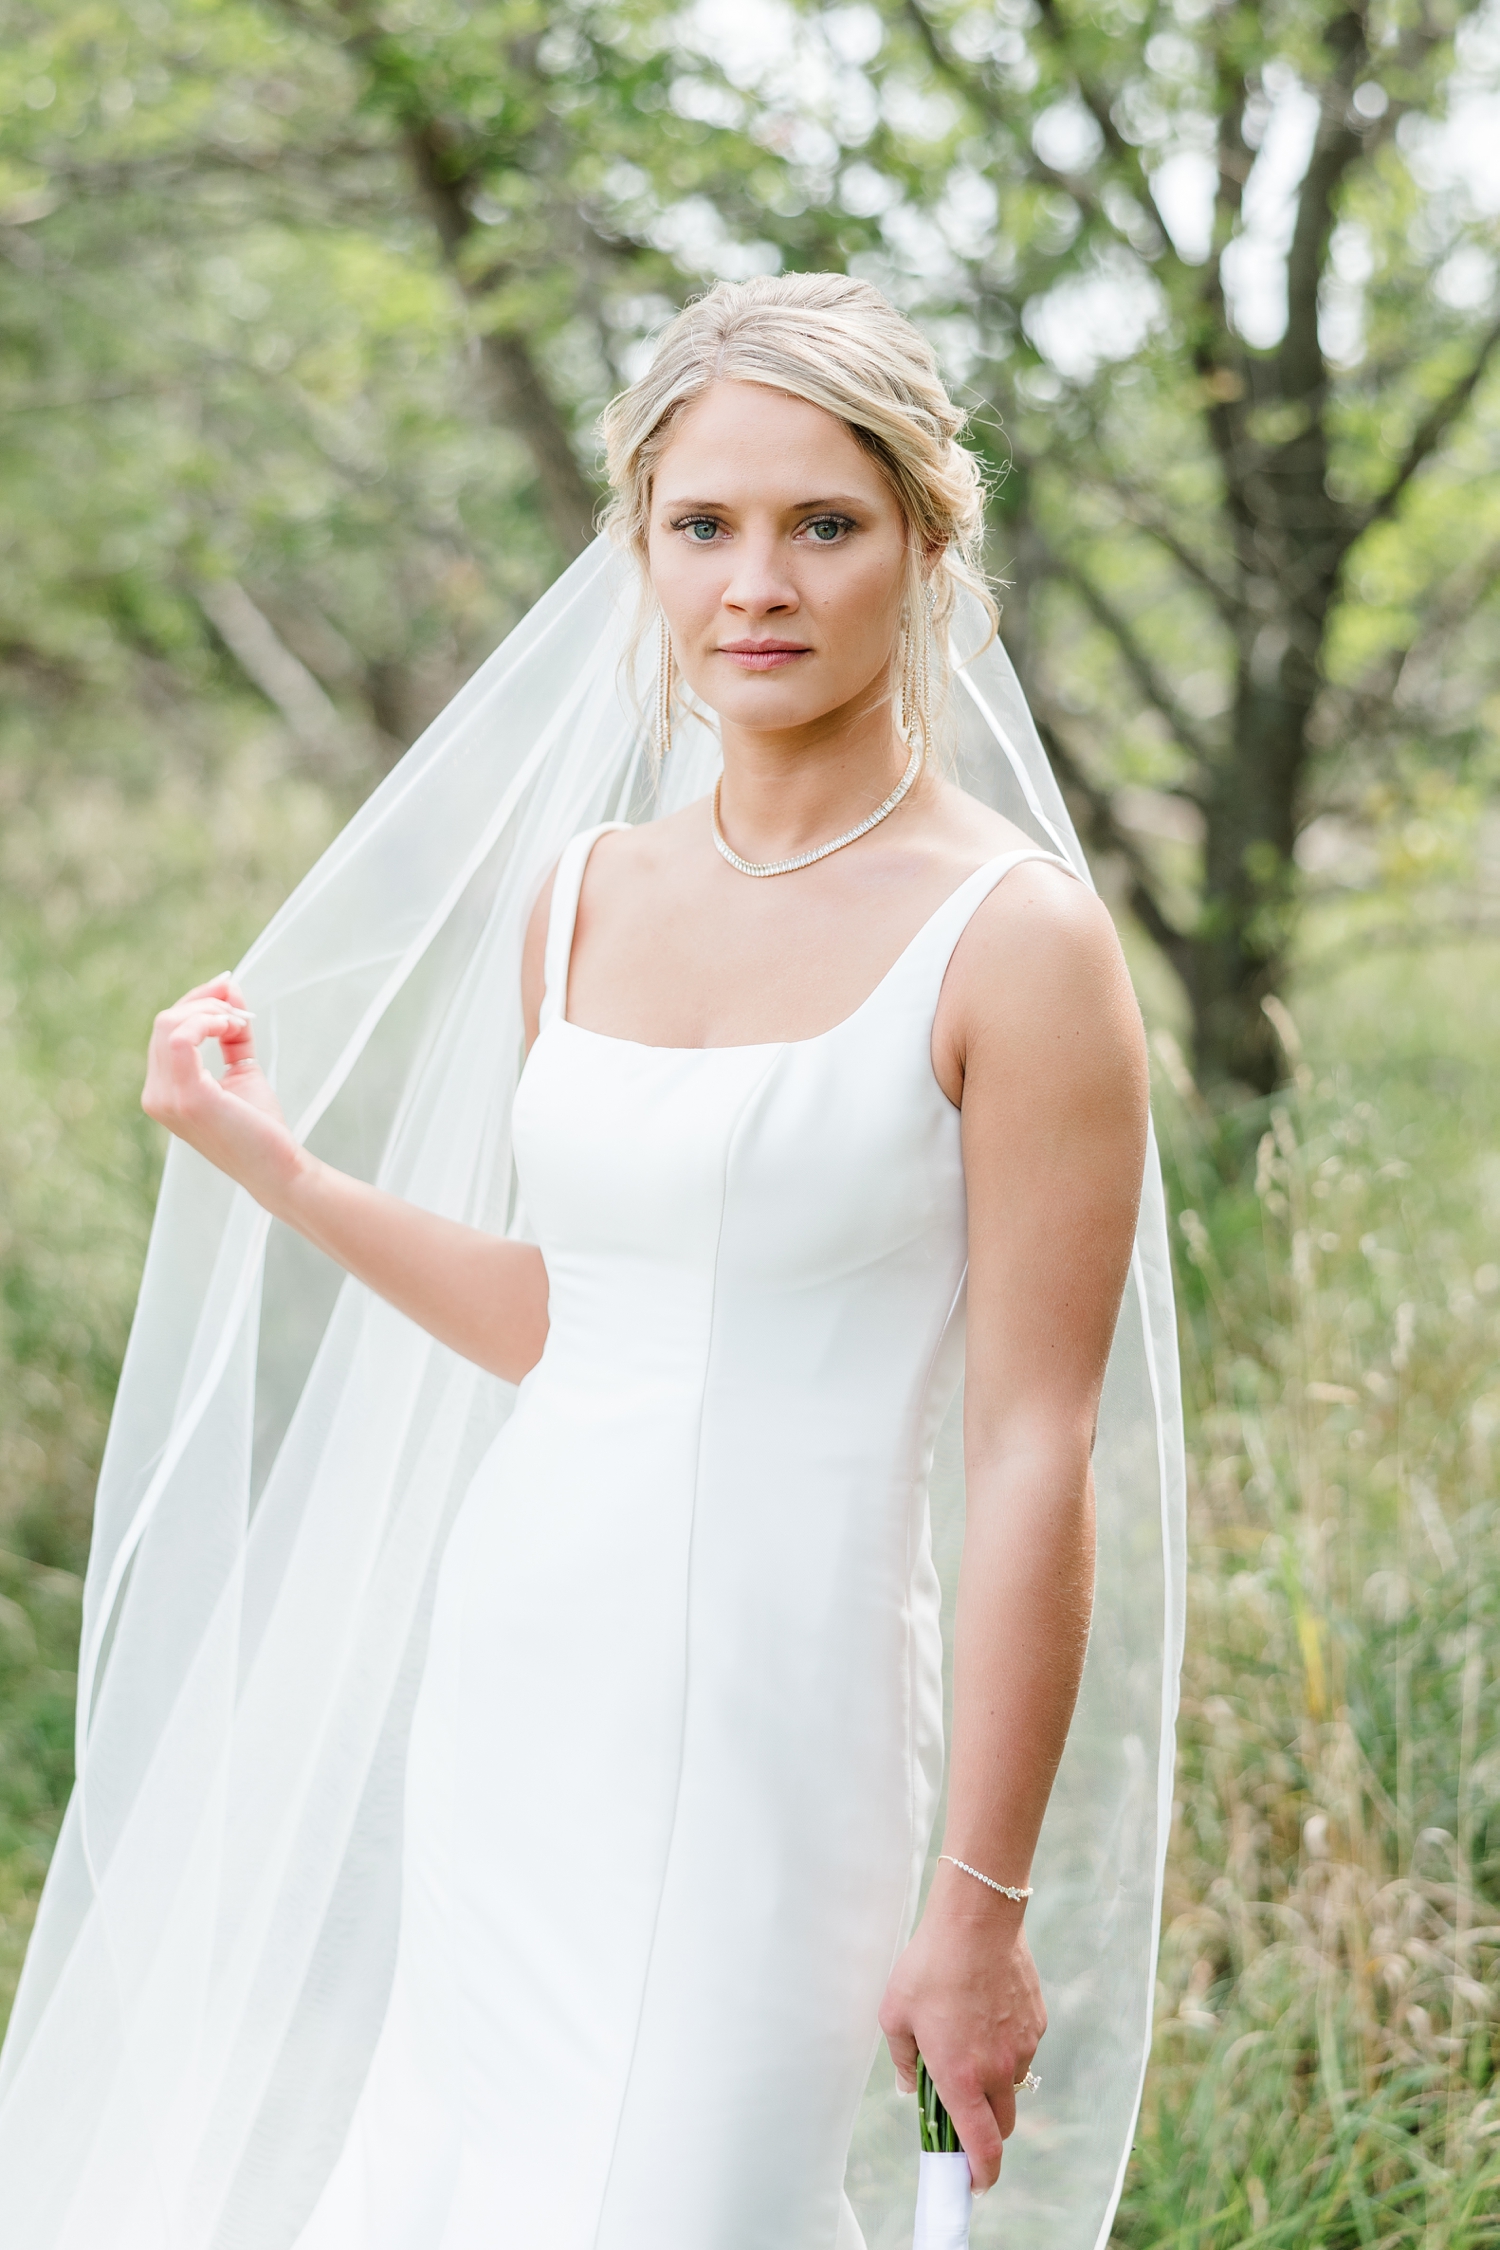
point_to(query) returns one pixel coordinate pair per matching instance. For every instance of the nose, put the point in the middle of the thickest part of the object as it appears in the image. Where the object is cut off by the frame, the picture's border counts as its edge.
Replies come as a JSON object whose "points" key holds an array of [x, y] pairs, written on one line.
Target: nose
{"points": [[759, 583]]}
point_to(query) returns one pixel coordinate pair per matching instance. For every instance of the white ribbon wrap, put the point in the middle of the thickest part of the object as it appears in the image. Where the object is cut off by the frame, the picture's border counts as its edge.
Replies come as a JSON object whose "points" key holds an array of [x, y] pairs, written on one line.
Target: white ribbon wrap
{"points": [[945, 2199]]}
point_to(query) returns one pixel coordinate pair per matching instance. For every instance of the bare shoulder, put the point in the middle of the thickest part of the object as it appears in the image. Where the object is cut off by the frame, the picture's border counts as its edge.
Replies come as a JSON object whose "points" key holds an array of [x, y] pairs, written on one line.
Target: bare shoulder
{"points": [[642, 852], [1042, 921], [969, 830], [624, 862], [1039, 978]]}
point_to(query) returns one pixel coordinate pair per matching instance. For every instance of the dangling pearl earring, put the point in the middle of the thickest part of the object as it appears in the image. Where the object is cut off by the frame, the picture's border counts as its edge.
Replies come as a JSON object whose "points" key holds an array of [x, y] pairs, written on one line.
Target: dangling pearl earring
{"points": [[914, 699], [661, 716]]}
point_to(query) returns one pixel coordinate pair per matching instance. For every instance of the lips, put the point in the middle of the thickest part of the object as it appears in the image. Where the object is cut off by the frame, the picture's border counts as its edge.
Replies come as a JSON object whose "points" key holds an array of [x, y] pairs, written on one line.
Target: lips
{"points": [[763, 656]]}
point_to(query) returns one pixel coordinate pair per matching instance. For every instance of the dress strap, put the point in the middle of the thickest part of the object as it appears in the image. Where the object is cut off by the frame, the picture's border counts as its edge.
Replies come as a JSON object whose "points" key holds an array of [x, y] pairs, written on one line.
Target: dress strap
{"points": [[562, 915], [953, 917], [918, 976]]}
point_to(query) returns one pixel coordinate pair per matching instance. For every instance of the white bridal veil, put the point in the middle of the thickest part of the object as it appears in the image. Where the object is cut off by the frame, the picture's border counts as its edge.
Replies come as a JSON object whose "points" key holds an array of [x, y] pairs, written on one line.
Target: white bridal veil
{"points": [[214, 1945]]}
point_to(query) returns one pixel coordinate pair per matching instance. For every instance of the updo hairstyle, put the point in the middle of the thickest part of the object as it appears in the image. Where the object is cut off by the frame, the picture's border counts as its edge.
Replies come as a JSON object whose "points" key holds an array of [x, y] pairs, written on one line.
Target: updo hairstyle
{"points": [[837, 344]]}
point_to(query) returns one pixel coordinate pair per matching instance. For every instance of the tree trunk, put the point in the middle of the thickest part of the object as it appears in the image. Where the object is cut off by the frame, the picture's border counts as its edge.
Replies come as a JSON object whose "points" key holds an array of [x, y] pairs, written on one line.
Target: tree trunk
{"points": [[522, 400], [1237, 953]]}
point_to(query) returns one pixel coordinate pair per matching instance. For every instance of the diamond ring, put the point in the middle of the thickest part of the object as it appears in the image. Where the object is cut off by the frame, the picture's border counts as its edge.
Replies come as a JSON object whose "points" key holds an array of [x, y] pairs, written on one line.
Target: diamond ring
{"points": [[1030, 2084]]}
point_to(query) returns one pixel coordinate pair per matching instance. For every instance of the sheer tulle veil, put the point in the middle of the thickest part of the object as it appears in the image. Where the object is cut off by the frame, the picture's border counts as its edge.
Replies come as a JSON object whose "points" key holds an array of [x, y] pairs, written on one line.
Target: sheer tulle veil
{"points": [[213, 1949]]}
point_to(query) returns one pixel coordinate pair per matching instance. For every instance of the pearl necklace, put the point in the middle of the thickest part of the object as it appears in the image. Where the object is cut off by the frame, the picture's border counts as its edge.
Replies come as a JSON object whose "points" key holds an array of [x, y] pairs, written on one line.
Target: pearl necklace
{"points": [[806, 859]]}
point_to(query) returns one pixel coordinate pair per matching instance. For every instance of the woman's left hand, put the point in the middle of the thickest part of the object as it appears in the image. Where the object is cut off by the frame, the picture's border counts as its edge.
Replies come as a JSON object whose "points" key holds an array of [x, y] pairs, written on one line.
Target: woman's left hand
{"points": [[965, 1996]]}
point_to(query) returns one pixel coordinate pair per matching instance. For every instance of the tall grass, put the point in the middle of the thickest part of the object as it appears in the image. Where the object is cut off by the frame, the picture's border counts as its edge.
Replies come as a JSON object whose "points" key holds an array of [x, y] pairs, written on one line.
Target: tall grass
{"points": [[1325, 2068]]}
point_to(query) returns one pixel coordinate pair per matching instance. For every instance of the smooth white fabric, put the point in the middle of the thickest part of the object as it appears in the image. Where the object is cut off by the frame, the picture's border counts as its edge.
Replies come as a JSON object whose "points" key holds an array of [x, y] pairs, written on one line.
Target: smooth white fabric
{"points": [[679, 1742], [945, 2201], [212, 1961]]}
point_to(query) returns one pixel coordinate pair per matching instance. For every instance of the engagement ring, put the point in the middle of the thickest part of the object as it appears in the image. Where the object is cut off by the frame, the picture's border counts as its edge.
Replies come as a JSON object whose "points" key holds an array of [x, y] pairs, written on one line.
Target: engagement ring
{"points": [[1030, 2084]]}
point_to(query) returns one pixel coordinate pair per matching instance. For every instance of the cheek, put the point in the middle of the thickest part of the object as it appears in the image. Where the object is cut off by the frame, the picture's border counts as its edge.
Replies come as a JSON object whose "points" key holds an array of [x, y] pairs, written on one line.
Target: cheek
{"points": [[687, 591], [859, 608]]}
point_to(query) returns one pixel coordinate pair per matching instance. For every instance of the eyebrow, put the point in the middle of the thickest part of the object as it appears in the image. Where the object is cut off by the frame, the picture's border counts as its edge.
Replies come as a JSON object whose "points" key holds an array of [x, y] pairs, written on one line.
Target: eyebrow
{"points": [[796, 507]]}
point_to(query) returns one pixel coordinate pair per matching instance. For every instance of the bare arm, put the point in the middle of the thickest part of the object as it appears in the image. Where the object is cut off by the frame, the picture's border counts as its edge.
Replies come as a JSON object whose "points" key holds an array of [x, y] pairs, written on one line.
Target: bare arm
{"points": [[1048, 1042], [484, 1297]]}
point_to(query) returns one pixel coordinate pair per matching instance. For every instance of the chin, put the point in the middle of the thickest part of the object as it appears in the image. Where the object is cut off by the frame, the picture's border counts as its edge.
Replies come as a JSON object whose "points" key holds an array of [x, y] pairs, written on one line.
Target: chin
{"points": [[769, 702]]}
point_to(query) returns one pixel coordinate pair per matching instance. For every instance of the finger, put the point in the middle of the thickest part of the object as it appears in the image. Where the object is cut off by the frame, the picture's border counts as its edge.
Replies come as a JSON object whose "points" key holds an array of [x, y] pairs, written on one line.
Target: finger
{"points": [[238, 1042], [979, 2135], [904, 2055], [184, 1064], [193, 1006], [182, 1067], [208, 1022], [216, 987]]}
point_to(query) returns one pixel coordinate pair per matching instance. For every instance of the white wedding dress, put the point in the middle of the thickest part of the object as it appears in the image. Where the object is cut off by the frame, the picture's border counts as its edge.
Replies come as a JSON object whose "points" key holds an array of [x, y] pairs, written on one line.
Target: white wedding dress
{"points": [[679, 1740]]}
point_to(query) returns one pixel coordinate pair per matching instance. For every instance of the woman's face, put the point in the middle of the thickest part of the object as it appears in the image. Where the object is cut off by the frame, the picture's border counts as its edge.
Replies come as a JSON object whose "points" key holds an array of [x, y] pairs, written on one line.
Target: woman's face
{"points": [[778, 554]]}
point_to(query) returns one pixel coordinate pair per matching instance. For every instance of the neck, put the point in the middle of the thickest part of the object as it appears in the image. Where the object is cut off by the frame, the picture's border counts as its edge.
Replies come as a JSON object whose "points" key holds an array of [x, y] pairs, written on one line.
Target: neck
{"points": [[787, 791]]}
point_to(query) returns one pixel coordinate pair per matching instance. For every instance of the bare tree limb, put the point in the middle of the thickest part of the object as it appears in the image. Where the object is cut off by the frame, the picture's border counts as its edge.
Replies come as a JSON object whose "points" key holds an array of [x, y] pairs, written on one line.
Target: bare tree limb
{"points": [[1336, 146], [1096, 102], [1429, 433], [1367, 704], [525, 403], [522, 398], [1107, 834], [972, 85], [1138, 661], [269, 665], [1140, 512]]}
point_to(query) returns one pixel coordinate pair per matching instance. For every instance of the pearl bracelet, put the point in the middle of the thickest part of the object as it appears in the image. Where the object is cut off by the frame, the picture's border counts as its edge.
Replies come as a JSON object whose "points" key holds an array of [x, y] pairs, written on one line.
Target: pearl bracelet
{"points": [[1006, 1890]]}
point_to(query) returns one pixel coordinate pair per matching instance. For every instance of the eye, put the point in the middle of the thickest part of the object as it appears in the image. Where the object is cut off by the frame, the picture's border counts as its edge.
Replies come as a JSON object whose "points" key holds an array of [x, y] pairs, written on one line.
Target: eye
{"points": [[827, 531], [701, 530]]}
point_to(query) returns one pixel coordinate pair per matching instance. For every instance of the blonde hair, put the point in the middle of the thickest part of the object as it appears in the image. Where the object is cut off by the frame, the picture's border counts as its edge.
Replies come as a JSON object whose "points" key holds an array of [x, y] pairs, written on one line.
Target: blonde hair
{"points": [[837, 344]]}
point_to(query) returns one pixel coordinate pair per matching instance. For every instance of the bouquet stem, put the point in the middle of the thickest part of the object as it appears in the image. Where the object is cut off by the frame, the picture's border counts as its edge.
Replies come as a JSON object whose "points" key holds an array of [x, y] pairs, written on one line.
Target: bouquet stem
{"points": [[944, 2188]]}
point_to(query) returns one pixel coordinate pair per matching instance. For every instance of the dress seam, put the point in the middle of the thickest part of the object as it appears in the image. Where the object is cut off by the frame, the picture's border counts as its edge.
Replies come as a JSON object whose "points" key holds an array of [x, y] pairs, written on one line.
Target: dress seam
{"points": [[730, 1145]]}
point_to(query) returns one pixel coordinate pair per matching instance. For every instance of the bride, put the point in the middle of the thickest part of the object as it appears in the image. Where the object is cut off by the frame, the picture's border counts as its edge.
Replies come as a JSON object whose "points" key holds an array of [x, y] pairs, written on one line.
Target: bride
{"points": [[834, 1090]]}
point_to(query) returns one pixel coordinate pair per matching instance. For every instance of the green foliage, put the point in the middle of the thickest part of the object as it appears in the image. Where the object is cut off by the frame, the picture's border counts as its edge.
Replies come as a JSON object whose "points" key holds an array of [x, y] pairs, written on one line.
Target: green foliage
{"points": [[1331, 1962]]}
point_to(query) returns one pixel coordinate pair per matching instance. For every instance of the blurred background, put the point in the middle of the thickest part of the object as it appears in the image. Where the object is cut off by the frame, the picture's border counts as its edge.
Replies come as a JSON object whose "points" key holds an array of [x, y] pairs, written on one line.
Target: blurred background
{"points": [[307, 310]]}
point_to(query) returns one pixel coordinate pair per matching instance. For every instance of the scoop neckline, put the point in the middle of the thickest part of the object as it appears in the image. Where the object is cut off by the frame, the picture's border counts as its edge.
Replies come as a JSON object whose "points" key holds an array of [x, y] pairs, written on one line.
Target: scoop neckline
{"points": [[816, 1038]]}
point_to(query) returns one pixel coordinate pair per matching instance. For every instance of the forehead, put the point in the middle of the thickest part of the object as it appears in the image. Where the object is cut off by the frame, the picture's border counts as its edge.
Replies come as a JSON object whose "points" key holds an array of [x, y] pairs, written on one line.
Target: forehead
{"points": [[746, 440]]}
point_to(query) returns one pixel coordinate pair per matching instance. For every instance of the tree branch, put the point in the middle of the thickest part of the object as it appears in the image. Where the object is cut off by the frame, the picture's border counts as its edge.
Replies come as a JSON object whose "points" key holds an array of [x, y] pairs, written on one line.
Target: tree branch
{"points": [[1366, 705], [1107, 834], [269, 665], [1142, 516], [525, 403], [1336, 145], [1429, 434], [1157, 691], [971, 84], [521, 396], [1096, 102]]}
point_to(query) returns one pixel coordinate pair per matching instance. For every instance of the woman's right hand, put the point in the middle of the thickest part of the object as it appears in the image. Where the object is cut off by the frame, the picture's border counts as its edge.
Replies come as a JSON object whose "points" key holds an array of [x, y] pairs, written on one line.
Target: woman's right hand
{"points": [[235, 1121]]}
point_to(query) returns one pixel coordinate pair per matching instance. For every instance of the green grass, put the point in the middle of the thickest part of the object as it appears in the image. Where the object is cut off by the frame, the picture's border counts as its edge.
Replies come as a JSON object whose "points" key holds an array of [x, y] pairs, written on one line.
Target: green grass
{"points": [[1324, 2071]]}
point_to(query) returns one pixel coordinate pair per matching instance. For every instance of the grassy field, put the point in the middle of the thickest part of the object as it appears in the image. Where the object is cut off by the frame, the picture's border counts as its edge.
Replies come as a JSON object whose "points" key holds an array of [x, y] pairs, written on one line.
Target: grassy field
{"points": [[1324, 2066], [1324, 2063]]}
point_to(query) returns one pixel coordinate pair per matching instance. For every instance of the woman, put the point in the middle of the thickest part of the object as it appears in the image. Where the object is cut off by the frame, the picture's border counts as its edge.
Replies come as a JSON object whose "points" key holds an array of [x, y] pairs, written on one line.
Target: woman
{"points": [[818, 1067]]}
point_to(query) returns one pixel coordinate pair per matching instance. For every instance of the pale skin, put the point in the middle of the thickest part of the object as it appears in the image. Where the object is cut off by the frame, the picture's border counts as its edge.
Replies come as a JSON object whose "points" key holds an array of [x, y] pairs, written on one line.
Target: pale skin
{"points": [[770, 524]]}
